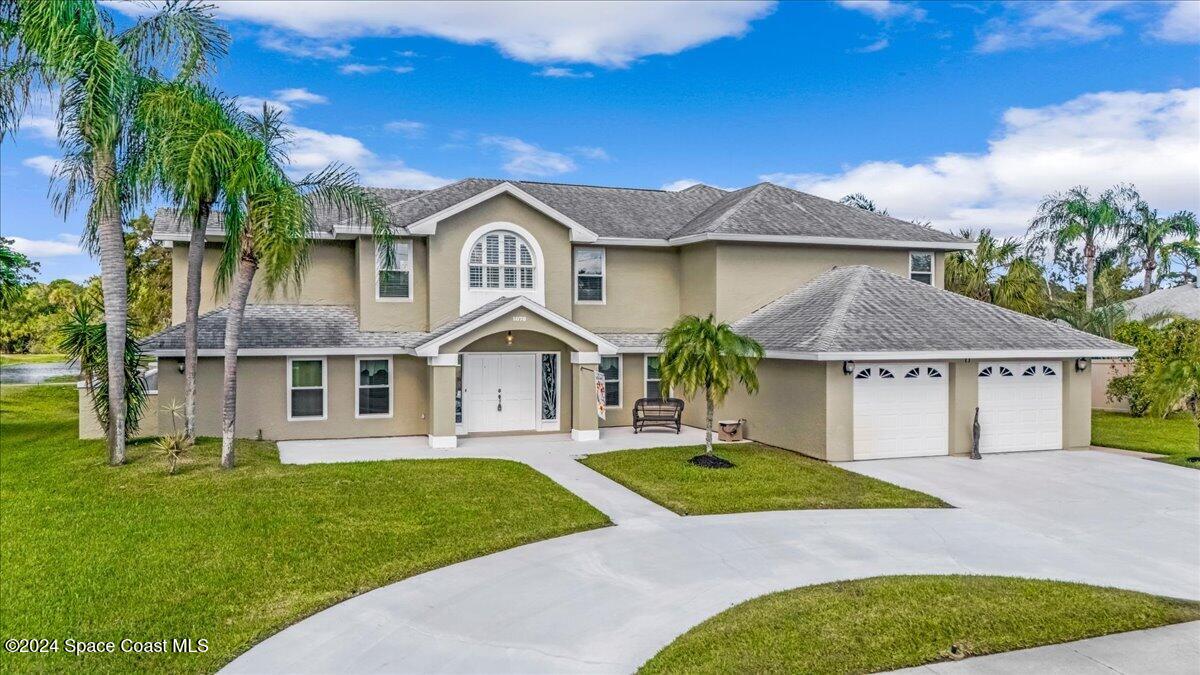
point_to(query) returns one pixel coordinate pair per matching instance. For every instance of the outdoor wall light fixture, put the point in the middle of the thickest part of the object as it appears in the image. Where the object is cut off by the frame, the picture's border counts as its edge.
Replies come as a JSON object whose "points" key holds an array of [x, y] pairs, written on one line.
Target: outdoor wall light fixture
{"points": [[1081, 364], [847, 367], [508, 338], [179, 364]]}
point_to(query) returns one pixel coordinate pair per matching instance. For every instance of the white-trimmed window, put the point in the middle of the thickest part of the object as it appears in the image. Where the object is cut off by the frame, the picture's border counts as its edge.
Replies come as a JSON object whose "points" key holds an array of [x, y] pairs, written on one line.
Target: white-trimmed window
{"points": [[920, 266], [307, 393], [589, 275], [501, 259], [373, 391], [393, 283], [654, 378], [610, 367]]}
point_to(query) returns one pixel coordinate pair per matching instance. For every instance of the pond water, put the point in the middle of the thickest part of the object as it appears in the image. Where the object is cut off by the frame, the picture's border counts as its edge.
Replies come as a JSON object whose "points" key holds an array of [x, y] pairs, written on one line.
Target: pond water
{"points": [[34, 373]]}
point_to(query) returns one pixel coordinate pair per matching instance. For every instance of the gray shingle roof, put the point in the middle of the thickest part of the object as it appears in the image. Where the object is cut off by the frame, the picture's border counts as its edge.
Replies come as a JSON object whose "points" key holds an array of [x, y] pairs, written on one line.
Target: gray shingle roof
{"points": [[1182, 300], [629, 340], [464, 319], [286, 327], [764, 209], [863, 309]]}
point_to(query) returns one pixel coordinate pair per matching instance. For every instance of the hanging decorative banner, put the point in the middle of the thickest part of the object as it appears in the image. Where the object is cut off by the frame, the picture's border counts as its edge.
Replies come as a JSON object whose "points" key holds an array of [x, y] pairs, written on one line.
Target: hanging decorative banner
{"points": [[600, 396]]}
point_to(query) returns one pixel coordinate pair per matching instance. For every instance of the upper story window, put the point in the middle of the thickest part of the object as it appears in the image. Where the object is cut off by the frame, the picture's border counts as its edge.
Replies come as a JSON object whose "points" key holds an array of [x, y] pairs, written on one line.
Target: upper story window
{"points": [[589, 275], [501, 260], [394, 282], [920, 266]]}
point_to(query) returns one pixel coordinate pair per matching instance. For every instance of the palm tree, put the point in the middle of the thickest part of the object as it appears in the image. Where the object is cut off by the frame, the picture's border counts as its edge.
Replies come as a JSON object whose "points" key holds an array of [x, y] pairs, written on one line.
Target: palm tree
{"points": [[1178, 380], [74, 47], [859, 200], [193, 140], [1187, 253], [1145, 234], [997, 272], [703, 354], [269, 221], [1067, 218]]}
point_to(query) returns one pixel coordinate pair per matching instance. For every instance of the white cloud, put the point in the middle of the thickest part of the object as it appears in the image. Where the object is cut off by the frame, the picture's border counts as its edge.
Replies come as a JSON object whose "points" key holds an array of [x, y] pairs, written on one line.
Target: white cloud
{"points": [[884, 10], [302, 48], [1027, 24], [311, 149], [878, 45], [570, 73], [365, 69], [43, 164], [64, 244], [590, 152], [527, 159], [610, 34], [254, 104], [1100, 139], [300, 96], [681, 184], [1181, 23], [410, 128]]}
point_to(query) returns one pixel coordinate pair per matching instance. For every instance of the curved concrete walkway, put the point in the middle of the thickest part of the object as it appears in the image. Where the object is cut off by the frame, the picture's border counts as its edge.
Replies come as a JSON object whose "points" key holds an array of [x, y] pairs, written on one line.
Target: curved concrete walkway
{"points": [[607, 600]]}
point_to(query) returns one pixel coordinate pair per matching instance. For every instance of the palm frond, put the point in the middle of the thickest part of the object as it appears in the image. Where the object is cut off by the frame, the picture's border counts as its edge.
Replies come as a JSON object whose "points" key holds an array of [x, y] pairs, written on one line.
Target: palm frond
{"points": [[182, 32]]}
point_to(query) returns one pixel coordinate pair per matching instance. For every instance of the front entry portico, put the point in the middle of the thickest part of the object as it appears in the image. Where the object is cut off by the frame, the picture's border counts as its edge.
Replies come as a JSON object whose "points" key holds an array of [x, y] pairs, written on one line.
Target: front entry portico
{"points": [[512, 366]]}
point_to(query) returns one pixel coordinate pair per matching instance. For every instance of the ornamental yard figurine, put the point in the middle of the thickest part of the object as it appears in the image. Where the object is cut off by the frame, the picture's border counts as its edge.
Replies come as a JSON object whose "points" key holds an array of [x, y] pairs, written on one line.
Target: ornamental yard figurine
{"points": [[975, 437]]}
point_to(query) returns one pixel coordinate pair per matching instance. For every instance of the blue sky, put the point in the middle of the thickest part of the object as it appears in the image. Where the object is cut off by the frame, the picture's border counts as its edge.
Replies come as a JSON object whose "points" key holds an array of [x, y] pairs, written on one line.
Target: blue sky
{"points": [[959, 113]]}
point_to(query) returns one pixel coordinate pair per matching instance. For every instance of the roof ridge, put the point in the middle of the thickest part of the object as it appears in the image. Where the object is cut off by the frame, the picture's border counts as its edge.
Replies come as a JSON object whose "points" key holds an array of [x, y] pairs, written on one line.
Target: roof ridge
{"points": [[747, 194], [837, 317]]}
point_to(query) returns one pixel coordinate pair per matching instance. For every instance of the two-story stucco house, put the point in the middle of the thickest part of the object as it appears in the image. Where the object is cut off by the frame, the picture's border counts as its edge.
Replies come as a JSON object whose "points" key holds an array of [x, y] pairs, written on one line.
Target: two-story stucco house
{"points": [[507, 297]]}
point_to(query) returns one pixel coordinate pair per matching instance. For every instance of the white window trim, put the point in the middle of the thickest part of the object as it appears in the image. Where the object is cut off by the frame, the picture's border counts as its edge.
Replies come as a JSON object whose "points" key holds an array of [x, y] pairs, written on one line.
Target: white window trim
{"points": [[407, 243], [358, 387], [932, 266], [324, 389], [603, 275], [474, 298], [620, 381], [646, 376]]}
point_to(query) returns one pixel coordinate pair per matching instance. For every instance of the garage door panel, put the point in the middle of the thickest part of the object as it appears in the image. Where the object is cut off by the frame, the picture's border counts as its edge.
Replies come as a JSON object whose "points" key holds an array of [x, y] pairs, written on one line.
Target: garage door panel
{"points": [[1022, 411], [905, 415]]}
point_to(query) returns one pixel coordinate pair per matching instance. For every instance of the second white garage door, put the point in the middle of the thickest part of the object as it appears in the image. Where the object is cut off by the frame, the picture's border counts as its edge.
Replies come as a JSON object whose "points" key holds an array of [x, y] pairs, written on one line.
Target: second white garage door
{"points": [[1020, 406], [901, 410]]}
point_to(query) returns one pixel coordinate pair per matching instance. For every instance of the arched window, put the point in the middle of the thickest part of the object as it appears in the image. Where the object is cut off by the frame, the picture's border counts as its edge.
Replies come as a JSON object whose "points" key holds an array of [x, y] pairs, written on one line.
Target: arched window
{"points": [[501, 259]]}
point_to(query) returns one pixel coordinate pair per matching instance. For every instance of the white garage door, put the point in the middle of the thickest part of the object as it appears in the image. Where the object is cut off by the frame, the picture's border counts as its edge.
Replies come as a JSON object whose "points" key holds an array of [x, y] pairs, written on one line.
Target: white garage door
{"points": [[1020, 406], [901, 410]]}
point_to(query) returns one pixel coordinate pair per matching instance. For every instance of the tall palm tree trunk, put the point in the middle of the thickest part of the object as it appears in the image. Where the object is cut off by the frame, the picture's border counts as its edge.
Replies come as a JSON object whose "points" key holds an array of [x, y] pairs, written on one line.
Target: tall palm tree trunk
{"points": [[191, 338], [233, 328], [110, 234], [1089, 262], [708, 403], [1149, 266]]}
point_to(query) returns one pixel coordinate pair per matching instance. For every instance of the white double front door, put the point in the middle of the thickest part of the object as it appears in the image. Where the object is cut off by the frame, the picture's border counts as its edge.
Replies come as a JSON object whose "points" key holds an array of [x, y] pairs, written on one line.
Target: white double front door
{"points": [[499, 392]]}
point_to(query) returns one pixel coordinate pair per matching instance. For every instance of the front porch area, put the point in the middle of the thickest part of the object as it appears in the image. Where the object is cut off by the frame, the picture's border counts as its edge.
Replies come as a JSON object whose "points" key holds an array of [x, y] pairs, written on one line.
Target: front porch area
{"points": [[519, 448]]}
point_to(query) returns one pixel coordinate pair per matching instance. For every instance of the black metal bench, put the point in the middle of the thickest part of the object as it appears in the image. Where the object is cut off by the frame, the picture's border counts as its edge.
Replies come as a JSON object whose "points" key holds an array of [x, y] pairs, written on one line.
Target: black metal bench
{"points": [[657, 412]]}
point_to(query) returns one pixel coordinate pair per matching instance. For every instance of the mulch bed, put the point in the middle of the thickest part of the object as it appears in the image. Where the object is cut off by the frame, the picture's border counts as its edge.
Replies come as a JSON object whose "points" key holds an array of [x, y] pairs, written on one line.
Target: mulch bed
{"points": [[711, 462]]}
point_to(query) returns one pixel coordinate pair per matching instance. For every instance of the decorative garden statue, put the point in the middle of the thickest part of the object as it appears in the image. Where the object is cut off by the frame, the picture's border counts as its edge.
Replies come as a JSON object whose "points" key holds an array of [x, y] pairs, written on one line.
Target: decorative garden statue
{"points": [[975, 437]]}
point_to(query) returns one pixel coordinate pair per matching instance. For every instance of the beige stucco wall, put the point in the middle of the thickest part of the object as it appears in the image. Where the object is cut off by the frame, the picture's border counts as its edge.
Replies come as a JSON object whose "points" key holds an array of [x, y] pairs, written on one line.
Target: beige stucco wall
{"points": [[90, 427], [262, 399], [329, 279], [527, 328], [698, 279], [445, 250], [642, 291], [749, 276], [1103, 372], [1077, 406], [633, 387], [964, 398], [388, 315]]}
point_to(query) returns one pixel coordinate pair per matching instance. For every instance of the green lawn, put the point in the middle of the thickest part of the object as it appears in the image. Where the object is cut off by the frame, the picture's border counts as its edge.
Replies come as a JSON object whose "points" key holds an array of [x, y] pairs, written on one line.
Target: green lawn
{"points": [[96, 553], [886, 623], [765, 479], [1174, 437], [13, 359]]}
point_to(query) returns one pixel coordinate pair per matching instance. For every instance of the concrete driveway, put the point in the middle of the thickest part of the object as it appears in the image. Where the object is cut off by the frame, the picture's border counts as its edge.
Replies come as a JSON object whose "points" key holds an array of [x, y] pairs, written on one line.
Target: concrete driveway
{"points": [[607, 600]]}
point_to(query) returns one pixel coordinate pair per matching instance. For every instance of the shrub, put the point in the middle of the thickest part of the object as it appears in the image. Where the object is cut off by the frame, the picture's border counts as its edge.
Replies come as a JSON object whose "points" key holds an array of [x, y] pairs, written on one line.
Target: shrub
{"points": [[1155, 347]]}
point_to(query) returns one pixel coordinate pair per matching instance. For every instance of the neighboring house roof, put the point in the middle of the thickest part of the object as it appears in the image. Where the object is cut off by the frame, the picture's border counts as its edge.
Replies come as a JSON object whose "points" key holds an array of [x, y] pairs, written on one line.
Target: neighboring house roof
{"points": [[269, 329], [1182, 300], [863, 312], [630, 215]]}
